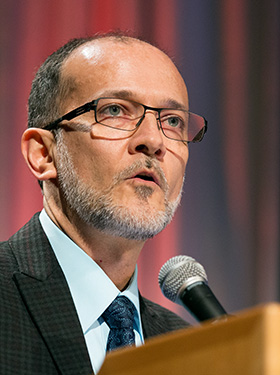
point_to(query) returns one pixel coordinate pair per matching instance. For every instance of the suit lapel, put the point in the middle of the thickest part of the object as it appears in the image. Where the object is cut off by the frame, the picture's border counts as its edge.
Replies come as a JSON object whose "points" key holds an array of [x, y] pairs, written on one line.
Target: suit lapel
{"points": [[150, 322], [46, 295]]}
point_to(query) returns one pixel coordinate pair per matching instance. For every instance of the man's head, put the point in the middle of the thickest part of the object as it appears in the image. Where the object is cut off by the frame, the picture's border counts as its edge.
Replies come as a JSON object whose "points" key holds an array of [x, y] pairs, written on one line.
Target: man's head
{"points": [[124, 183]]}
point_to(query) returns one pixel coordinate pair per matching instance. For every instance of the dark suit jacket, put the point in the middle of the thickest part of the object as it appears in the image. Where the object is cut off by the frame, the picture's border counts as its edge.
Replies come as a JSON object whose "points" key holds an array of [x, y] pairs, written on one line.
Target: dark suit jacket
{"points": [[40, 332]]}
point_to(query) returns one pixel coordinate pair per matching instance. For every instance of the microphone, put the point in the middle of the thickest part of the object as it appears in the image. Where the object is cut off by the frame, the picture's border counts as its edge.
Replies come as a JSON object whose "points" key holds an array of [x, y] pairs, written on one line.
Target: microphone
{"points": [[183, 280]]}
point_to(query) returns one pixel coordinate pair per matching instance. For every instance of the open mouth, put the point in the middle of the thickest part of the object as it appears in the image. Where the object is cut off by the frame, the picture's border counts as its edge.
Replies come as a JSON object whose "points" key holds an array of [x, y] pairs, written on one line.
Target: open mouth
{"points": [[145, 177]]}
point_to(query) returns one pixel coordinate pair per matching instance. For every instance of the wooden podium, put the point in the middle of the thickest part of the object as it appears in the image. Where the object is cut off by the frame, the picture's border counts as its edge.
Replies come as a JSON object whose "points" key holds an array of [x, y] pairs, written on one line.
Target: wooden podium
{"points": [[246, 344]]}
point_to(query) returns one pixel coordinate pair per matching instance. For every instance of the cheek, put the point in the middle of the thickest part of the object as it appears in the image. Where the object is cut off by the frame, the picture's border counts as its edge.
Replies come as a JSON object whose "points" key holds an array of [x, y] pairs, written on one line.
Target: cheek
{"points": [[99, 161], [88, 160], [175, 188], [177, 169]]}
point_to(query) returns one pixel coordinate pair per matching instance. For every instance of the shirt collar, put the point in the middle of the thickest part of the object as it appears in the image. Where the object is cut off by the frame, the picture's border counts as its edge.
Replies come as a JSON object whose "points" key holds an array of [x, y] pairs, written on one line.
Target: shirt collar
{"points": [[91, 289]]}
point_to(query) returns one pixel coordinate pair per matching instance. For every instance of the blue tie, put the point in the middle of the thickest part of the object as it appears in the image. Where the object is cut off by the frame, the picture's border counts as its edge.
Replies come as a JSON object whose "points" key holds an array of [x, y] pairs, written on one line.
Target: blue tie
{"points": [[120, 316]]}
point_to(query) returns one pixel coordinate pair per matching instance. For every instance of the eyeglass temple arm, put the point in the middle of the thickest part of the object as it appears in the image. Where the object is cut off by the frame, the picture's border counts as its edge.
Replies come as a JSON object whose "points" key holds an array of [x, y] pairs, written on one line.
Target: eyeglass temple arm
{"points": [[70, 115], [200, 135]]}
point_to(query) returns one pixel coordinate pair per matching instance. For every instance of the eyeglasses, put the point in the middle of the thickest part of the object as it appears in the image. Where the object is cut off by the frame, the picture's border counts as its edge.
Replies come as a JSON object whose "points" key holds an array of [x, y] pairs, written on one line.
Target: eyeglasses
{"points": [[127, 115]]}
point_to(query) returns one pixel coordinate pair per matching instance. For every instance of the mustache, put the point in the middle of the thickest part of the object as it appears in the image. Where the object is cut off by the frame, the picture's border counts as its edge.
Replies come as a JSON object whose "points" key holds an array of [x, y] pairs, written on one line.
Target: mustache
{"points": [[147, 163]]}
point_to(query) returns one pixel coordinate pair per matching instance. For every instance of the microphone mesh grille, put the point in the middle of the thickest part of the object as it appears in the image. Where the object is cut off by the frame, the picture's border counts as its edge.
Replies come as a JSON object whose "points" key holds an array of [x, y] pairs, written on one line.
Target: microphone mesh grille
{"points": [[175, 272]]}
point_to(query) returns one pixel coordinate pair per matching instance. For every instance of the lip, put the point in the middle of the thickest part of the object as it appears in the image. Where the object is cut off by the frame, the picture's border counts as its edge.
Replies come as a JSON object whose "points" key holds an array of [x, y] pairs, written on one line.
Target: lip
{"points": [[146, 177]]}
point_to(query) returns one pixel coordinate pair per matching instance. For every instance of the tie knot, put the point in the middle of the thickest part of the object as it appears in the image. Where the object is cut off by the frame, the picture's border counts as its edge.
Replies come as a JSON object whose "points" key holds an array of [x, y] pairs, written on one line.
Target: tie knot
{"points": [[120, 314]]}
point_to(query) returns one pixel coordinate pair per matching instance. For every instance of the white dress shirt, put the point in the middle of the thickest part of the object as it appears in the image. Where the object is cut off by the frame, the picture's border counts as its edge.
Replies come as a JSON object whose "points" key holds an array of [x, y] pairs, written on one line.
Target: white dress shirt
{"points": [[91, 289]]}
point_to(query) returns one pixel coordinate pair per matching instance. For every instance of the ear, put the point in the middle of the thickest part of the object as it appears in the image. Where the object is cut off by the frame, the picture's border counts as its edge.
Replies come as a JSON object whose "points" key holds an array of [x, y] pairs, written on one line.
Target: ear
{"points": [[37, 147]]}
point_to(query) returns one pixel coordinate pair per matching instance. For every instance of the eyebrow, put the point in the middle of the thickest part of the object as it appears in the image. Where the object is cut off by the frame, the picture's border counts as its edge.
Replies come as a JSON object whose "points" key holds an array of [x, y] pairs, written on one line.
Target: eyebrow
{"points": [[127, 94], [174, 104], [122, 94]]}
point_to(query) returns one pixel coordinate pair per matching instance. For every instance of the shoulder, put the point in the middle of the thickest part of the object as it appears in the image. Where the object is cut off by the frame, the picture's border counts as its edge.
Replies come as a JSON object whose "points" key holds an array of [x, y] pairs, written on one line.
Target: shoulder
{"points": [[16, 247], [7, 259], [158, 320]]}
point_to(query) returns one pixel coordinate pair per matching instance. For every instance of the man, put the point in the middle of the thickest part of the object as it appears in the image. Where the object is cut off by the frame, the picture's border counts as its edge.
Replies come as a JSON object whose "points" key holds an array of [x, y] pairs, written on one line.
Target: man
{"points": [[111, 171]]}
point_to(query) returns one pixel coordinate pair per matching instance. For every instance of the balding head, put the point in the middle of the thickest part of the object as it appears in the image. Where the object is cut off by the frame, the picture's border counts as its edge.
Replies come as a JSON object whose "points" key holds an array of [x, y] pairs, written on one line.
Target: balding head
{"points": [[50, 88]]}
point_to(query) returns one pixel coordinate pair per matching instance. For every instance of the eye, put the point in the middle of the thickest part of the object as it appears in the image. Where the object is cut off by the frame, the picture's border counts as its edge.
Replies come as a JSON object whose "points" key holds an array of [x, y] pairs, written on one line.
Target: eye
{"points": [[112, 110], [172, 121]]}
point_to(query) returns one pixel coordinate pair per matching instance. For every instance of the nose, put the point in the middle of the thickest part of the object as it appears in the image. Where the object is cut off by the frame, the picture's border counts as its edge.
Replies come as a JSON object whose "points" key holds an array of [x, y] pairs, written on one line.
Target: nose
{"points": [[148, 138]]}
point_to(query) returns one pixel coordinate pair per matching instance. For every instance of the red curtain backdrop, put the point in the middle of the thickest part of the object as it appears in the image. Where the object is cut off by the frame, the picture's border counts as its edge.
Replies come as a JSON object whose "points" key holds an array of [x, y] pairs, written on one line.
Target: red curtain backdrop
{"points": [[228, 53]]}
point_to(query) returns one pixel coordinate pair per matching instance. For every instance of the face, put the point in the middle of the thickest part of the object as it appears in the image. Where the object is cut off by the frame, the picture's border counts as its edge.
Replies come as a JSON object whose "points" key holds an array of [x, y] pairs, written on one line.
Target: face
{"points": [[129, 185]]}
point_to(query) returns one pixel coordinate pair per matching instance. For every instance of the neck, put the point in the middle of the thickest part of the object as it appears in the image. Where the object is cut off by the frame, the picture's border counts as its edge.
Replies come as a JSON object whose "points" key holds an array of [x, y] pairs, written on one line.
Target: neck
{"points": [[115, 255]]}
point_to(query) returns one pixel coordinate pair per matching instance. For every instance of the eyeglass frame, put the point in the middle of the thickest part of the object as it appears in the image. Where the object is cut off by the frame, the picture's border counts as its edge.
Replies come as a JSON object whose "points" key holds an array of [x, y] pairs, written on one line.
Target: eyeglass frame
{"points": [[92, 105]]}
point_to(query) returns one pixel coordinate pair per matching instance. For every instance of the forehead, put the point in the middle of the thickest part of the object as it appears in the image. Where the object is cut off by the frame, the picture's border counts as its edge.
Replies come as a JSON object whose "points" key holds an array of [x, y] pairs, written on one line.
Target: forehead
{"points": [[108, 65]]}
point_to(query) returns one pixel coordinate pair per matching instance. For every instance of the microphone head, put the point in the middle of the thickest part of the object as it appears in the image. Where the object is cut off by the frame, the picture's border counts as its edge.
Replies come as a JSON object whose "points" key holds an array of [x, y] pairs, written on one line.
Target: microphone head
{"points": [[178, 271]]}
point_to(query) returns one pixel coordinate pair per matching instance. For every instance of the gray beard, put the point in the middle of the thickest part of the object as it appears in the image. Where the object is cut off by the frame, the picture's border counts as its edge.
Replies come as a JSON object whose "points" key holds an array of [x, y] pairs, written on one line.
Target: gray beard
{"points": [[96, 208]]}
